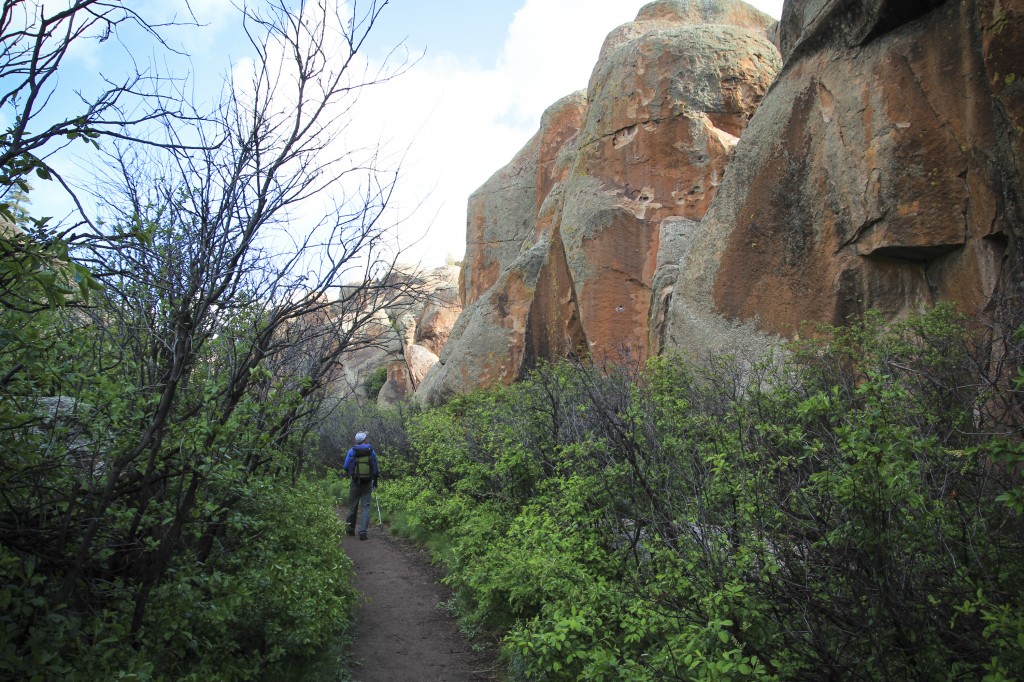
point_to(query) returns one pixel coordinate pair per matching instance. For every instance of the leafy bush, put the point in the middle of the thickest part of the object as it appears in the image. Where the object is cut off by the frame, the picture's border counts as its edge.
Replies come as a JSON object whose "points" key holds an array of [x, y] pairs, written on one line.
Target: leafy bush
{"points": [[279, 586], [375, 381], [850, 511]]}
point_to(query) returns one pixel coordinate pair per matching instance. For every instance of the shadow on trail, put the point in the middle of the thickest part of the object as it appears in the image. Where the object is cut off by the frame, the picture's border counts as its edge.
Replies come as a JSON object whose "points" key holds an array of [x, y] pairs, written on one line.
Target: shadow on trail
{"points": [[401, 631]]}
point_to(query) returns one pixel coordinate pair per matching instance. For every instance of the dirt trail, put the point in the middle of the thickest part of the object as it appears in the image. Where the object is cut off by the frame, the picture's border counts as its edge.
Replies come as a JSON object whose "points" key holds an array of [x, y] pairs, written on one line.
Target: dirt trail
{"points": [[401, 631]]}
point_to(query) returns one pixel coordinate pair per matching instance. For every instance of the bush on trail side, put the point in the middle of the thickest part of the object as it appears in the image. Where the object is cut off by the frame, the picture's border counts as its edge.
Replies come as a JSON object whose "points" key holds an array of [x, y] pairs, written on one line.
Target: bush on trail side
{"points": [[851, 511], [275, 585], [207, 555]]}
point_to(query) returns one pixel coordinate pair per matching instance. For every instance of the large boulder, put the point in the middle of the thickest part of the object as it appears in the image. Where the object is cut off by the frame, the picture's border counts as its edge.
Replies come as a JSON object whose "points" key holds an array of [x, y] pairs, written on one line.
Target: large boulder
{"points": [[487, 345], [881, 171], [669, 98], [398, 386], [502, 214], [376, 337], [439, 310], [419, 360], [564, 244]]}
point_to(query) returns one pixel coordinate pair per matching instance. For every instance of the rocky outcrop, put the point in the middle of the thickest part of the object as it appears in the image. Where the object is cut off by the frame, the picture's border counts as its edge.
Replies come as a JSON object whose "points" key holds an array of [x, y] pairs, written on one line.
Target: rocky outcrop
{"points": [[398, 385], [564, 244], [670, 97], [405, 336], [423, 325], [377, 344], [881, 171], [487, 344], [502, 218]]}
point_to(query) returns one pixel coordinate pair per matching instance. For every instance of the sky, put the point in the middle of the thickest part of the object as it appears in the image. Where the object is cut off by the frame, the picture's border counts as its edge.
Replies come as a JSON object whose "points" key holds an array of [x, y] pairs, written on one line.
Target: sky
{"points": [[484, 73]]}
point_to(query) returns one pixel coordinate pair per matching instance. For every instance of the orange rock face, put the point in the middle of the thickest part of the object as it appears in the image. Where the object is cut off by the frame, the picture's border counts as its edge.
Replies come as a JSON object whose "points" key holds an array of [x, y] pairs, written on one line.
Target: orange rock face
{"points": [[488, 344], [564, 243], [881, 171], [503, 213], [666, 109]]}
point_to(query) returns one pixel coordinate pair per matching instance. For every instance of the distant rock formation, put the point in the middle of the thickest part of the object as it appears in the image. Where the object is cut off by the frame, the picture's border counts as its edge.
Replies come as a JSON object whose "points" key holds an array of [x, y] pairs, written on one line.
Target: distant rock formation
{"points": [[882, 170], [406, 336], [569, 244]]}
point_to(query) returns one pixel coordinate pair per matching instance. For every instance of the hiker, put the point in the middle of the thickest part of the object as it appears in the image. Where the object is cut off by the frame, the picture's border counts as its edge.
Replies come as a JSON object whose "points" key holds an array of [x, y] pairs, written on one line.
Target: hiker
{"points": [[361, 466]]}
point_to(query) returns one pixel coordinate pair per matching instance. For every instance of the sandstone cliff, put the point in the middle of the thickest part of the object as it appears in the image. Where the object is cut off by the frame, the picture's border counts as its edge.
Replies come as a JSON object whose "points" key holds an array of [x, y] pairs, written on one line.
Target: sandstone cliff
{"points": [[568, 245], [882, 171]]}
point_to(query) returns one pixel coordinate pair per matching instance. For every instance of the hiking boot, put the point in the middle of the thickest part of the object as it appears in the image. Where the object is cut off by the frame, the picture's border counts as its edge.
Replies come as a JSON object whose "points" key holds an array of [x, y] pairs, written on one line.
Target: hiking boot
{"points": [[350, 531], [362, 536]]}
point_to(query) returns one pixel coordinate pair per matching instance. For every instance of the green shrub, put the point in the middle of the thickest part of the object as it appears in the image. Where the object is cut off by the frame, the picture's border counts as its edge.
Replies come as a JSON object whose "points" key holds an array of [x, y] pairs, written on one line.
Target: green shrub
{"points": [[280, 589], [279, 586], [375, 381], [850, 511]]}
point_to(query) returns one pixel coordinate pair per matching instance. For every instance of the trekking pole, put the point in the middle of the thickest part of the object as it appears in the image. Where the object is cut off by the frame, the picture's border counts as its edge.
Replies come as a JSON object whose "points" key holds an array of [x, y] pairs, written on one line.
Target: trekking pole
{"points": [[380, 519]]}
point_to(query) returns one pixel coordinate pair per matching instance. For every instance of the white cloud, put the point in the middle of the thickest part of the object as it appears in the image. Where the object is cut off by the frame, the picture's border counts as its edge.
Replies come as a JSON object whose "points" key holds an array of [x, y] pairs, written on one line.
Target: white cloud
{"points": [[553, 46], [461, 123], [443, 117]]}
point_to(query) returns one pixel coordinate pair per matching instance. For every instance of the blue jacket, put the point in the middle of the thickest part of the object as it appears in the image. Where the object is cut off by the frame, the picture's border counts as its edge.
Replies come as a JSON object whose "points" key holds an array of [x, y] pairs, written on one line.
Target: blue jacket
{"points": [[350, 459]]}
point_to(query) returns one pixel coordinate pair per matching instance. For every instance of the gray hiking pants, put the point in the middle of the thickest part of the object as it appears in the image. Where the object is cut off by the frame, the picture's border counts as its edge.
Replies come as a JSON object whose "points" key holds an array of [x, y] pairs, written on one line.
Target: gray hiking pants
{"points": [[359, 495]]}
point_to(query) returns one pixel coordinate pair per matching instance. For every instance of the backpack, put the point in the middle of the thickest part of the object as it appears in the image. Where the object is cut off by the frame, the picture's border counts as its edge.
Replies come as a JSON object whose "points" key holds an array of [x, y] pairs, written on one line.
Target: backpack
{"points": [[362, 465]]}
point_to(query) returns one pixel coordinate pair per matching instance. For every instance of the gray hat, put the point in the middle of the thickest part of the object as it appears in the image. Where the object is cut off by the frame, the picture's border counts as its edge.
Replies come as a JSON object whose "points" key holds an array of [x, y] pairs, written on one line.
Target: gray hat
{"points": [[361, 437]]}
